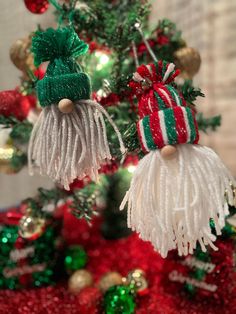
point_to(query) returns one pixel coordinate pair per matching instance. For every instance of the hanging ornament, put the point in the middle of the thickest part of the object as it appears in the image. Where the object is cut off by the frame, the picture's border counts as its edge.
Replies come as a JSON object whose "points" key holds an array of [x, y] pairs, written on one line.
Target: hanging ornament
{"points": [[12, 159], [178, 187], [21, 56], [31, 228], [136, 278], [69, 139], [110, 279], [76, 258], [37, 6], [80, 279], [119, 299], [188, 60], [6, 154]]}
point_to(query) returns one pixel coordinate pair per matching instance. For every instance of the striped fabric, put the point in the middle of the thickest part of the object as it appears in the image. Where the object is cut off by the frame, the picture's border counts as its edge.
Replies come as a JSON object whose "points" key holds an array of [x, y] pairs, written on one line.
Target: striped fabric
{"points": [[167, 127], [159, 98]]}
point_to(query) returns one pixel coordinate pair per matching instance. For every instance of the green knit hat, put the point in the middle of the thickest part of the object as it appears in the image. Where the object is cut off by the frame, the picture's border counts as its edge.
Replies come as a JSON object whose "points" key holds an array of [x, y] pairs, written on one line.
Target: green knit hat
{"points": [[63, 78]]}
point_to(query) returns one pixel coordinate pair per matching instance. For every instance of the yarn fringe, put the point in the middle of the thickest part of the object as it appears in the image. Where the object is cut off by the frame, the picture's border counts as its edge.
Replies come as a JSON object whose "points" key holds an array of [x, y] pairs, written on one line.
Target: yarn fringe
{"points": [[171, 202], [70, 146]]}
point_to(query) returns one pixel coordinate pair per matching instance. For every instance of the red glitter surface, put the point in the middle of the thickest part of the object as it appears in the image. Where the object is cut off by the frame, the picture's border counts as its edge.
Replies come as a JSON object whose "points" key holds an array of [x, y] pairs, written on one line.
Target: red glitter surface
{"points": [[37, 6], [123, 255]]}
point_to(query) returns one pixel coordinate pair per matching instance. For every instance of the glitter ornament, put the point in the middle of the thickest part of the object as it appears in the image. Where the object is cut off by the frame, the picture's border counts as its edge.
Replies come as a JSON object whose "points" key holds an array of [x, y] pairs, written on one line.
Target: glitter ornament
{"points": [[69, 139], [6, 154], [163, 296], [171, 201], [12, 159], [76, 258], [21, 55], [37, 6], [109, 280], [136, 278], [119, 299], [31, 227], [188, 60], [27, 262], [80, 279]]}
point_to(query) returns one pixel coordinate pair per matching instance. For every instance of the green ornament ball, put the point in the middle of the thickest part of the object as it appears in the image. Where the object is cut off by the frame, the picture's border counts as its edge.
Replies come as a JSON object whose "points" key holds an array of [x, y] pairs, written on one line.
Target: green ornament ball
{"points": [[76, 258], [119, 300]]}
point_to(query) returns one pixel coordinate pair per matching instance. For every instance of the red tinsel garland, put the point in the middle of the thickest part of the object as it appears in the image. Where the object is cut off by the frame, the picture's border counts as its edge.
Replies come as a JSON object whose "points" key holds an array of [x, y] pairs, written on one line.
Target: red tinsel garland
{"points": [[124, 255]]}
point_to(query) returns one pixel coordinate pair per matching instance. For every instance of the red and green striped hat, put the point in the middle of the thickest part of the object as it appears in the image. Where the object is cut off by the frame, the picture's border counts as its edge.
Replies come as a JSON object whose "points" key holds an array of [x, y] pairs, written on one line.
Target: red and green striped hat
{"points": [[165, 118]]}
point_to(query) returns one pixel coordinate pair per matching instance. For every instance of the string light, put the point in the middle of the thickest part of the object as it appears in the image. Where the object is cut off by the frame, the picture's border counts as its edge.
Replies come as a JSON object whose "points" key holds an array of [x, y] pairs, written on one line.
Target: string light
{"points": [[131, 168], [102, 59]]}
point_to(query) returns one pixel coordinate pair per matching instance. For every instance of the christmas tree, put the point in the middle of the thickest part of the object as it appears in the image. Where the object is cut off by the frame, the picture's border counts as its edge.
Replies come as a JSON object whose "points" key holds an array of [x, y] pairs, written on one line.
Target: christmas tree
{"points": [[116, 115]]}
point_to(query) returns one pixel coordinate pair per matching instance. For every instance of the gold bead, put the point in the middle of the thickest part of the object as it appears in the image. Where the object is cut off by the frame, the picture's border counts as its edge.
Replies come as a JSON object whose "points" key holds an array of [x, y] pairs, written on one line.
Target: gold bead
{"points": [[66, 105], [31, 227], [137, 278], [188, 60], [168, 151], [80, 279], [108, 280]]}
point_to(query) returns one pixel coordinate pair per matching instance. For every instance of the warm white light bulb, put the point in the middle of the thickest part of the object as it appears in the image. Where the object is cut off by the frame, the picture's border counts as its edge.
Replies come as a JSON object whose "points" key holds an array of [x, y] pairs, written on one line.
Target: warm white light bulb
{"points": [[103, 59], [131, 169]]}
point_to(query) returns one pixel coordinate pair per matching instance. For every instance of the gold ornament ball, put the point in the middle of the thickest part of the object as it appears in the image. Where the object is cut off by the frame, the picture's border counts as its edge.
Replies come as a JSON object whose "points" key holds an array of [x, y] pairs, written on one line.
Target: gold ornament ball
{"points": [[137, 278], [188, 60], [31, 227], [6, 154], [21, 55], [80, 279], [109, 280]]}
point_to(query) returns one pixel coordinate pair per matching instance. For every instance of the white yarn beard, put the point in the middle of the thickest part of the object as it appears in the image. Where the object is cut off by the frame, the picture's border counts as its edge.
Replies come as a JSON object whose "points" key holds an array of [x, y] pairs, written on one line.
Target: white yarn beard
{"points": [[72, 145], [170, 202]]}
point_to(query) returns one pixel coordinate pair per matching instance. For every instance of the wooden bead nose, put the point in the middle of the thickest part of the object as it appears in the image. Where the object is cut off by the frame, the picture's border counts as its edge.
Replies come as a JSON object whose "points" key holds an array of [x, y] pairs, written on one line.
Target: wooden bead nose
{"points": [[65, 105], [168, 151]]}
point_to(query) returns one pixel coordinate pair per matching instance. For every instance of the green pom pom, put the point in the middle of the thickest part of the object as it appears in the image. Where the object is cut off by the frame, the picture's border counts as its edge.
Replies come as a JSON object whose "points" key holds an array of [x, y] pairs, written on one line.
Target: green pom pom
{"points": [[53, 44]]}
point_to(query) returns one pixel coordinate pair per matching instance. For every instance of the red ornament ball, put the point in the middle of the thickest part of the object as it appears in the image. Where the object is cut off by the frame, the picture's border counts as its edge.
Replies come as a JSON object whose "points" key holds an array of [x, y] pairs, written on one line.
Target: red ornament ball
{"points": [[13, 103], [37, 6]]}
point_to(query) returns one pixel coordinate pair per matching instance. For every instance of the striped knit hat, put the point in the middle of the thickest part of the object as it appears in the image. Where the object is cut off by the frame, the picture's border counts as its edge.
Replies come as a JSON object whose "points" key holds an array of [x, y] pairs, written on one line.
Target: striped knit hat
{"points": [[164, 117]]}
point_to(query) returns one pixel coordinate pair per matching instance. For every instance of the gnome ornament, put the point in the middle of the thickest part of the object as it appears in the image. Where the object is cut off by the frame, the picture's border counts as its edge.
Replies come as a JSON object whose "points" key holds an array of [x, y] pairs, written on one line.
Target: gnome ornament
{"points": [[69, 139], [178, 187]]}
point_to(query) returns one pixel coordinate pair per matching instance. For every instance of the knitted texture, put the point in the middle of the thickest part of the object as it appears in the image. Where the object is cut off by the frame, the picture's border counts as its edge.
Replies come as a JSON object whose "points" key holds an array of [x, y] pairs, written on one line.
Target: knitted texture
{"points": [[165, 119], [167, 127], [63, 78], [51, 90]]}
